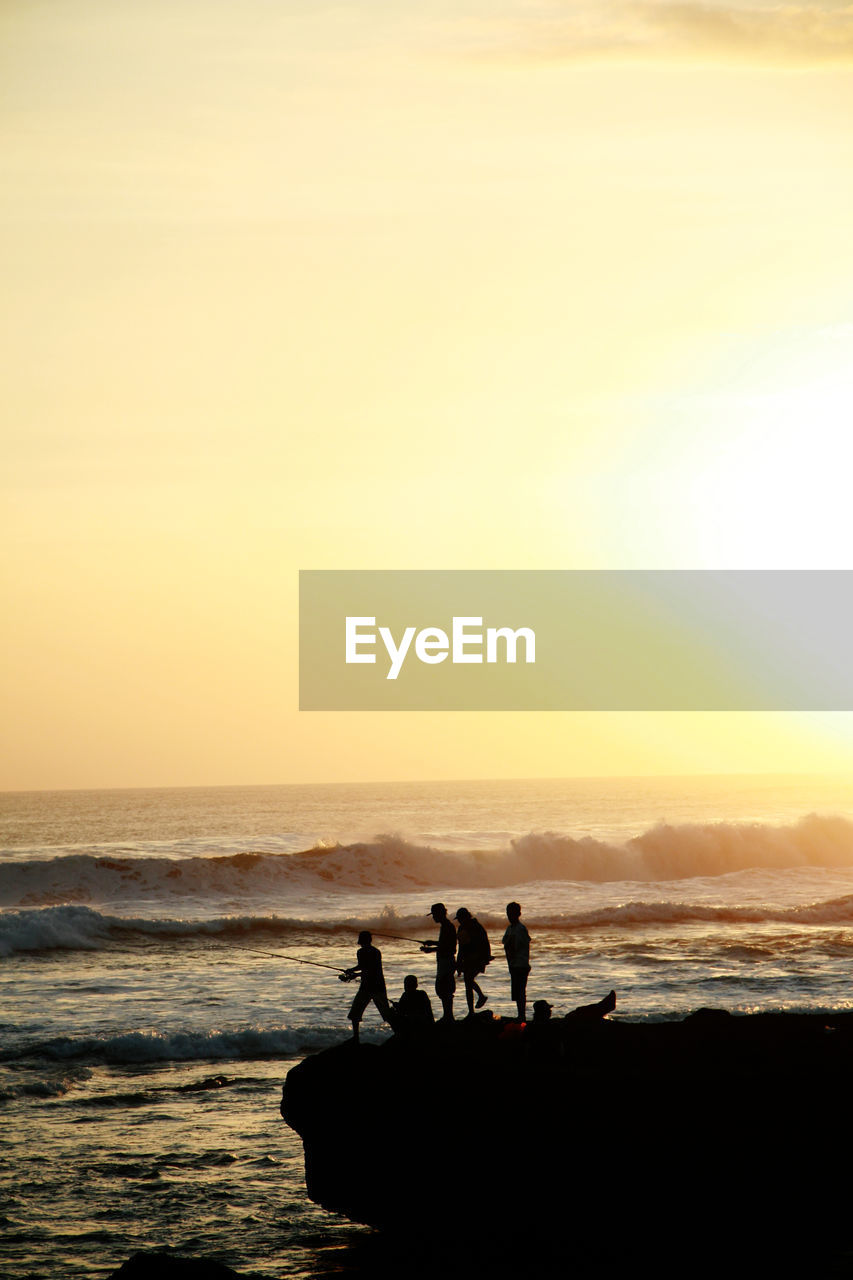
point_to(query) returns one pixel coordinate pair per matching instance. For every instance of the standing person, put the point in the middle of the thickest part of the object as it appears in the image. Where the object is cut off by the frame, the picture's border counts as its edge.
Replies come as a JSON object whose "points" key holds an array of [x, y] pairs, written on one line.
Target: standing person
{"points": [[516, 942], [368, 967], [444, 950], [474, 954]]}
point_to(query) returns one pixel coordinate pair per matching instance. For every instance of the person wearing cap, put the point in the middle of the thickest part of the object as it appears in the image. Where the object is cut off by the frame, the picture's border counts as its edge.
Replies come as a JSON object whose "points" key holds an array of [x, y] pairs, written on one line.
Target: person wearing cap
{"points": [[516, 942], [474, 954], [542, 1011], [542, 1034], [368, 967], [444, 949]]}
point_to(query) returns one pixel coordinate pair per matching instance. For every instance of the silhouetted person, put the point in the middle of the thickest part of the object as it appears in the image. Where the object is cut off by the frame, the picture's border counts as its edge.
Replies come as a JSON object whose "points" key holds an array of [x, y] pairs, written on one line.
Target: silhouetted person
{"points": [[368, 967], [594, 1012], [445, 959], [542, 1034], [474, 954], [516, 942], [585, 1013], [413, 1011]]}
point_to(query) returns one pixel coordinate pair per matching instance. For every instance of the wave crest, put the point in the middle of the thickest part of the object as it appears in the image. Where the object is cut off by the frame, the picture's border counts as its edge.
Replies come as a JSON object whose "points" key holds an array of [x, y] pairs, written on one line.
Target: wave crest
{"points": [[394, 864], [246, 1043], [76, 928]]}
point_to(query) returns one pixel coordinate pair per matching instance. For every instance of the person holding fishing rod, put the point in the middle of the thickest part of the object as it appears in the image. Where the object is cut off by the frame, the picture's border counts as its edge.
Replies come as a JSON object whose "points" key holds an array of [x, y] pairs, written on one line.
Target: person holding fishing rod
{"points": [[444, 950], [368, 967]]}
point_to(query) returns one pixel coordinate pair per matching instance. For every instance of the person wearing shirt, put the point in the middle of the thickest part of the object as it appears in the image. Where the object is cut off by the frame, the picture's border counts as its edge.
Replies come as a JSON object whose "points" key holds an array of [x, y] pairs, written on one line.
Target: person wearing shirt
{"points": [[474, 954], [368, 967], [413, 1012], [444, 950], [516, 942]]}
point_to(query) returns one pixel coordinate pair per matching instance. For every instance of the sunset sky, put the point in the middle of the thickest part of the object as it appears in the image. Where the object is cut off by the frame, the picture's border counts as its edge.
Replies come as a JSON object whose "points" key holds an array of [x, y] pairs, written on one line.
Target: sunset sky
{"points": [[490, 284]]}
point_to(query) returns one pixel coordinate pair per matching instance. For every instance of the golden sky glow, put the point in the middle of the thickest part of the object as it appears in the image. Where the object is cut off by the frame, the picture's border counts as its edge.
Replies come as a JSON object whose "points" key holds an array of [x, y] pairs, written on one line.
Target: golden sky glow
{"points": [[486, 285]]}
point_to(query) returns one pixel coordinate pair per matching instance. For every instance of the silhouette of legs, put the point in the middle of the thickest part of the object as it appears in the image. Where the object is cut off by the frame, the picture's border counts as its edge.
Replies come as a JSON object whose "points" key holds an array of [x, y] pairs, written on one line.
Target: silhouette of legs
{"points": [[362, 999], [472, 986], [518, 989], [592, 1012], [445, 986]]}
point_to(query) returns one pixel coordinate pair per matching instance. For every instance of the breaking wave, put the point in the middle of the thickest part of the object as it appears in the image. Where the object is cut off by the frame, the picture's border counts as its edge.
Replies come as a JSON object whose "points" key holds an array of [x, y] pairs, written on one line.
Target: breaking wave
{"points": [[391, 863], [83, 929], [247, 1043], [55, 1087]]}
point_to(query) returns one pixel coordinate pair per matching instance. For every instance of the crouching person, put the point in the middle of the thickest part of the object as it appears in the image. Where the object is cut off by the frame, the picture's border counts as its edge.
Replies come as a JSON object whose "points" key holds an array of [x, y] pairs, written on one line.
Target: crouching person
{"points": [[412, 1014]]}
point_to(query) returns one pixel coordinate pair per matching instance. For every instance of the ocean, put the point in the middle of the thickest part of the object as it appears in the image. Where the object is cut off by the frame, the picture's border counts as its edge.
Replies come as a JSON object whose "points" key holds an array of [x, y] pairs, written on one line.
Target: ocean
{"points": [[169, 954]]}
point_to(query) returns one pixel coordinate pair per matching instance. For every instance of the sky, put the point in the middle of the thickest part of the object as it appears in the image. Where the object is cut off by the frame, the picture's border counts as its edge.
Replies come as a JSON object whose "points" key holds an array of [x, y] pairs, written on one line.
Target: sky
{"points": [[293, 285]]}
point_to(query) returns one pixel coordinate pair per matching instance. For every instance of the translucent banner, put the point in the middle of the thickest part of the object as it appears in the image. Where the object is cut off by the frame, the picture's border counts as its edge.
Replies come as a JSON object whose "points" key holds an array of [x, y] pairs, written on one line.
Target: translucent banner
{"points": [[572, 640]]}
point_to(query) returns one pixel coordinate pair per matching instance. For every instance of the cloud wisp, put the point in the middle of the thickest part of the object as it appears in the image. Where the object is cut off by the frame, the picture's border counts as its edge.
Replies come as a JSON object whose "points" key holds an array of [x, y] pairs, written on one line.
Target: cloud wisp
{"points": [[802, 34]]}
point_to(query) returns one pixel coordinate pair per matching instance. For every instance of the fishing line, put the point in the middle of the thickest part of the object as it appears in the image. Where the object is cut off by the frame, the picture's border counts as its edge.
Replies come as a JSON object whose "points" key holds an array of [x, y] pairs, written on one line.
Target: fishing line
{"points": [[421, 942], [279, 955]]}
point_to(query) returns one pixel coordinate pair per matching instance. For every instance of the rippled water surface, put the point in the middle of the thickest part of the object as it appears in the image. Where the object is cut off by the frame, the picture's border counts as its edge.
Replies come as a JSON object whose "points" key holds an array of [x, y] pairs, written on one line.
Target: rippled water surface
{"points": [[153, 948]]}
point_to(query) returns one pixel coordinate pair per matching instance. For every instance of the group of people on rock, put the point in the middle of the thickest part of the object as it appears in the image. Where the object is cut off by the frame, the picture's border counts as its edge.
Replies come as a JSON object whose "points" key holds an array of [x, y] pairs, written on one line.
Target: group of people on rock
{"points": [[464, 951]]}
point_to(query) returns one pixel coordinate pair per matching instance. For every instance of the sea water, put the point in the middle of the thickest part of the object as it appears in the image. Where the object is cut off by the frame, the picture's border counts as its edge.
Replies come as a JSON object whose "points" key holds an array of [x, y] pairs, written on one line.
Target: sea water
{"points": [[168, 954]]}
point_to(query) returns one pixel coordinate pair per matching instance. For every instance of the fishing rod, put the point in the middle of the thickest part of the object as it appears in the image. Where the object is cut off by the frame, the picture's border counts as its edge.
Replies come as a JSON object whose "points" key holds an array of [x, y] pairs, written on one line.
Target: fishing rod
{"points": [[345, 975], [421, 942]]}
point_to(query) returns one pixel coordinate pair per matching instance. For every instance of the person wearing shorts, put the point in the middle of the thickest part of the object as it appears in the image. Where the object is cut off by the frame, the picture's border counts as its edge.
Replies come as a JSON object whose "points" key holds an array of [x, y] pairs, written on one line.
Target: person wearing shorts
{"points": [[474, 954], [445, 959], [368, 967], [516, 942]]}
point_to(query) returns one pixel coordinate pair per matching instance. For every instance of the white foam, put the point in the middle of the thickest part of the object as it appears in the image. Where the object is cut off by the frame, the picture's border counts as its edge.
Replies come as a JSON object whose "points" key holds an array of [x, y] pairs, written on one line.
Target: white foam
{"points": [[393, 864], [250, 1043]]}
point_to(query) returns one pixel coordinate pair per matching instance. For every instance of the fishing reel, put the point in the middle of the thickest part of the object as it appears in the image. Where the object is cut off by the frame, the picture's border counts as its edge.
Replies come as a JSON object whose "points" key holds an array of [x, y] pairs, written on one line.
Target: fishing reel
{"points": [[348, 975]]}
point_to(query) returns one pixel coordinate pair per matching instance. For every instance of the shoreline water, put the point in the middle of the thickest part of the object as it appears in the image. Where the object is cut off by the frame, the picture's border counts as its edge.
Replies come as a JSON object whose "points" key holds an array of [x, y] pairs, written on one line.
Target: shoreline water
{"points": [[143, 949]]}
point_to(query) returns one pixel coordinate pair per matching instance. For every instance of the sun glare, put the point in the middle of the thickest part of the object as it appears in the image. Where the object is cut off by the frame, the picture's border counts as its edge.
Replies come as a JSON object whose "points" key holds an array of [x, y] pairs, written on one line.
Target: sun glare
{"points": [[771, 464]]}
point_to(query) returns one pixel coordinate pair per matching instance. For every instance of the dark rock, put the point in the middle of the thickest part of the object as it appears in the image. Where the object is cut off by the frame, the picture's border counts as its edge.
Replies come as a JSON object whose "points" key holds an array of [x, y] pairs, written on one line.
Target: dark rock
{"points": [[715, 1133], [166, 1266]]}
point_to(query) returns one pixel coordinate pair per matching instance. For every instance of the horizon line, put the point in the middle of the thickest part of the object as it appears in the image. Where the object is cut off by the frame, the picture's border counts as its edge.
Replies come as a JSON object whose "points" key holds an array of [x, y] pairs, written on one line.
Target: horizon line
{"points": [[389, 782]]}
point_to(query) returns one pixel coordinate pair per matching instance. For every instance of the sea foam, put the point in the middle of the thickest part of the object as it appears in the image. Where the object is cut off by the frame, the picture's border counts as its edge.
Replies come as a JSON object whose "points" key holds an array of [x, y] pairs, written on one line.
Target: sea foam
{"points": [[138, 1047], [394, 864], [77, 928]]}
